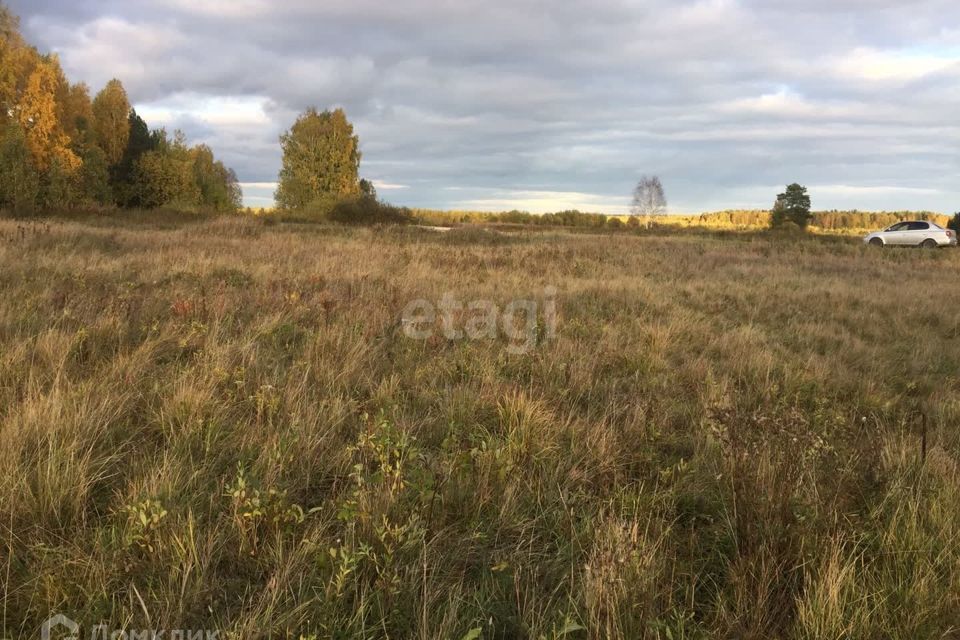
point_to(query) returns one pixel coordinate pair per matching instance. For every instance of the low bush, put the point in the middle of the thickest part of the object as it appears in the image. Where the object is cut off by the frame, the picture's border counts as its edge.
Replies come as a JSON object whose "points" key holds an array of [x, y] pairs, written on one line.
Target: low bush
{"points": [[369, 211], [362, 210]]}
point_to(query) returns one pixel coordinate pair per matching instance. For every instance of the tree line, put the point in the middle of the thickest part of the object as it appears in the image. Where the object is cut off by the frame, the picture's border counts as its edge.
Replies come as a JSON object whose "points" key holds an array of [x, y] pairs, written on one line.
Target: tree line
{"points": [[62, 149]]}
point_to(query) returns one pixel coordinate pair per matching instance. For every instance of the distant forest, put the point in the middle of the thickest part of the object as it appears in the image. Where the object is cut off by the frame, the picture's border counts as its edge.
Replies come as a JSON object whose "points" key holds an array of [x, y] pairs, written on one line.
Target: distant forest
{"points": [[731, 219]]}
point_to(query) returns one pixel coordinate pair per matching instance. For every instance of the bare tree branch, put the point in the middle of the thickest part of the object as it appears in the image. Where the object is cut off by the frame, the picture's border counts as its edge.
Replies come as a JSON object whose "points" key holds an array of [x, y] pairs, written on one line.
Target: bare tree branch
{"points": [[648, 199]]}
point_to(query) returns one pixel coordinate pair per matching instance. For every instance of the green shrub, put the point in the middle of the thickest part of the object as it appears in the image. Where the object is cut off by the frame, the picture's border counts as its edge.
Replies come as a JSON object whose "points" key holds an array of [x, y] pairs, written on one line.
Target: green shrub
{"points": [[787, 228], [367, 211]]}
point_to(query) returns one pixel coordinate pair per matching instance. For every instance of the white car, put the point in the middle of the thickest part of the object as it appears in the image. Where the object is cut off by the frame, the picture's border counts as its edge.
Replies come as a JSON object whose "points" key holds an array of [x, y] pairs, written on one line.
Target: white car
{"points": [[916, 233]]}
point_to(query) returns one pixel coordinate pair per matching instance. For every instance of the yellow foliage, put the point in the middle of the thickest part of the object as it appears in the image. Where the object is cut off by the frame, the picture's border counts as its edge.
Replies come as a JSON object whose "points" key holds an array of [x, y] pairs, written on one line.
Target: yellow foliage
{"points": [[37, 115], [16, 62]]}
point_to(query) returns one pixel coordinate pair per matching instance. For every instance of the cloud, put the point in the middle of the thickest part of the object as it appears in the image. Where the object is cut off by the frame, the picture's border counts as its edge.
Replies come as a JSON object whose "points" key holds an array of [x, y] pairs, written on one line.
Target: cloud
{"points": [[542, 202], [224, 9], [848, 190], [387, 186], [536, 105], [901, 67], [258, 185]]}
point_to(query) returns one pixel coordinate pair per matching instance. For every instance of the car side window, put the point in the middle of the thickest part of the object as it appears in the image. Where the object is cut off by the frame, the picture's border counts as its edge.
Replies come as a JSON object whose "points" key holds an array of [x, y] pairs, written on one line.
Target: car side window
{"points": [[902, 226], [918, 226]]}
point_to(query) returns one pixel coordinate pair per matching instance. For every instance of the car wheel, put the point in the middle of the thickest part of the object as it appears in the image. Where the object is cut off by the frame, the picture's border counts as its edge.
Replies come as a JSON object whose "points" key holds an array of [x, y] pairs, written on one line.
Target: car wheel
{"points": [[929, 243], [876, 242]]}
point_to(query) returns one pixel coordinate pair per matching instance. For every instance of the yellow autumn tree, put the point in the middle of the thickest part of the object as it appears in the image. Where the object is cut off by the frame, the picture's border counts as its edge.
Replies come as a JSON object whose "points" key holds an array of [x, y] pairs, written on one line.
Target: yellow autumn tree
{"points": [[321, 160], [17, 61], [111, 115], [77, 110], [38, 117], [9, 25]]}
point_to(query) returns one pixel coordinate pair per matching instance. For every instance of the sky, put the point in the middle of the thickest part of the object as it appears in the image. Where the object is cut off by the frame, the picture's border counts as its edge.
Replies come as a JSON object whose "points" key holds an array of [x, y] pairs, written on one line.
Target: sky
{"points": [[544, 106]]}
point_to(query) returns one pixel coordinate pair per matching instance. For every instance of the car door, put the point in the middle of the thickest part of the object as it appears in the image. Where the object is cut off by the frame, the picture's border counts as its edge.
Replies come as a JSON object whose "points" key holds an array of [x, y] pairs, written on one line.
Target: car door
{"points": [[896, 235], [916, 233]]}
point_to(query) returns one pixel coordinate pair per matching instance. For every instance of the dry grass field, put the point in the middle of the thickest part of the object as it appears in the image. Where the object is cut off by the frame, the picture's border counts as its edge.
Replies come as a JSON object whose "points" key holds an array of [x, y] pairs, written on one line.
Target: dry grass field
{"points": [[222, 424]]}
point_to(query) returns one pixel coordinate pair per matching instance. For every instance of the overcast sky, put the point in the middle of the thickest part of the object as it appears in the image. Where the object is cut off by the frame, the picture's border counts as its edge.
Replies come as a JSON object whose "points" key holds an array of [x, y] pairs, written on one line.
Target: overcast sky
{"points": [[548, 105]]}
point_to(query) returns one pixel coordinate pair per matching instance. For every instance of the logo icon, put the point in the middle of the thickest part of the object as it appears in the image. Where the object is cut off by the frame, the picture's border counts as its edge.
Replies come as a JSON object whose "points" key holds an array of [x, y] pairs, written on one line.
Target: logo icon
{"points": [[71, 628]]}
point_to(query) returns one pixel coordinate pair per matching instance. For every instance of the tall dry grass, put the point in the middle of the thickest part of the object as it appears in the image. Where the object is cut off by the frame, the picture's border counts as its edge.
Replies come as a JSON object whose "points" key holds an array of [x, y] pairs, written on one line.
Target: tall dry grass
{"points": [[221, 424]]}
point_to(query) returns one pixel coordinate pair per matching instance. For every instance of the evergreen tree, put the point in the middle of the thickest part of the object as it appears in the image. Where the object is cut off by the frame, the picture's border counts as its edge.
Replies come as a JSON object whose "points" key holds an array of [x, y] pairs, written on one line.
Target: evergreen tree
{"points": [[124, 176], [954, 223], [792, 206]]}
